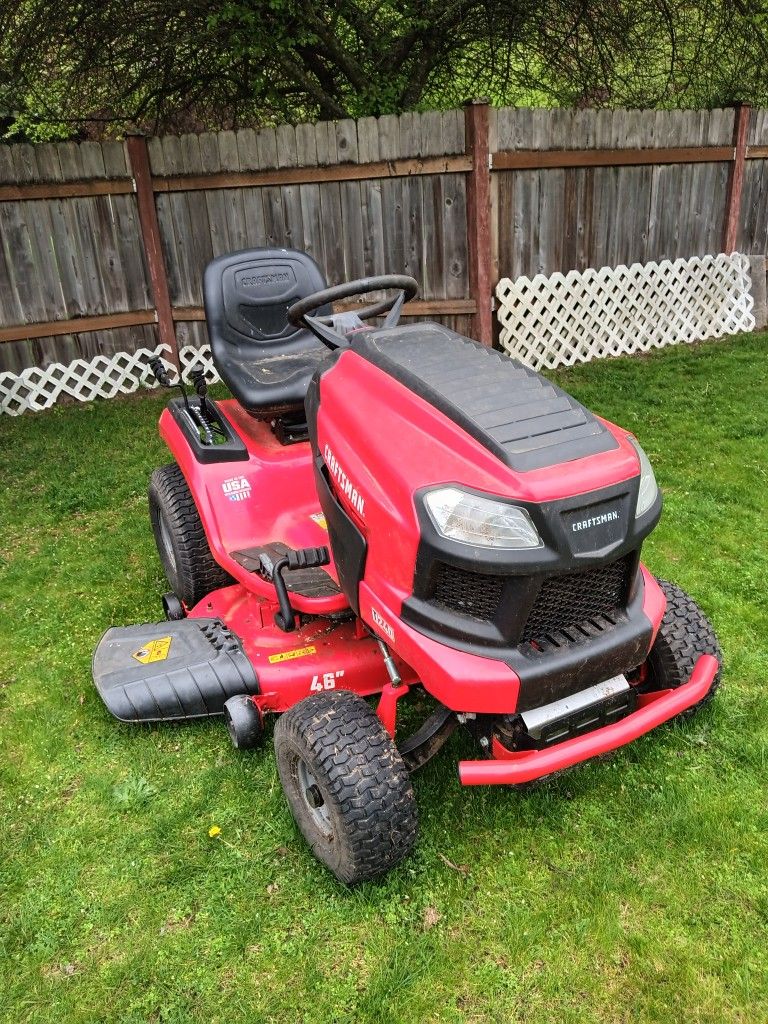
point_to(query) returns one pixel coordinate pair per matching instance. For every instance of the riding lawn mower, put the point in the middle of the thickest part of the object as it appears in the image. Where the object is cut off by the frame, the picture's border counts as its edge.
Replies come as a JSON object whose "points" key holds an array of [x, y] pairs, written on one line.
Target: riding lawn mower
{"points": [[382, 510]]}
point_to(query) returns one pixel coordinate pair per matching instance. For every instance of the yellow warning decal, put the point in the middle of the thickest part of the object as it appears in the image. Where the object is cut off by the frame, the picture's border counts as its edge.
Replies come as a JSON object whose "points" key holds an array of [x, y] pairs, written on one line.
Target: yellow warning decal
{"points": [[300, 652], [155, 650], [320, 519]]}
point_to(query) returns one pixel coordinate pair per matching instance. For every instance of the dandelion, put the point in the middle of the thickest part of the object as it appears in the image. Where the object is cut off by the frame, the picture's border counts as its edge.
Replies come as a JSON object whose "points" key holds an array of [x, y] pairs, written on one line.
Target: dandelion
{"points": [[215, 833]]}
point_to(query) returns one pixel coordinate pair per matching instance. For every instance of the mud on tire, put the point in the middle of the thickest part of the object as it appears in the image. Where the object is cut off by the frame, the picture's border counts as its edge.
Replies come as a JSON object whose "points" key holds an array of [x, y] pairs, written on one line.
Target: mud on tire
{"points": [[346, 784], [189, 566], [684, 635]]}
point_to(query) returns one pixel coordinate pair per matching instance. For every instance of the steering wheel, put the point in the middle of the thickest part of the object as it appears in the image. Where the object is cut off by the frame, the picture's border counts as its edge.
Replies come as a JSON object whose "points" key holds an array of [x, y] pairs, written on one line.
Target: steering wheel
{"points": [[298, 313]]}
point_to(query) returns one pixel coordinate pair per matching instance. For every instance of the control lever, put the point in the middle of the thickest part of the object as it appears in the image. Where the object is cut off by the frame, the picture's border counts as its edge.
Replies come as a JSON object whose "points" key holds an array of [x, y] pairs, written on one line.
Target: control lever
{"points": [[159, 372], [203, 418], [304, 558], [199, 383]]}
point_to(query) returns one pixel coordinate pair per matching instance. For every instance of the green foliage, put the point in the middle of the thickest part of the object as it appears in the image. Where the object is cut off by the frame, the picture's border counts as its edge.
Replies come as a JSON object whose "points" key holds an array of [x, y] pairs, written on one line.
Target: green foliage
{"points": [[133, 793], [629, 889], [74, 69]]}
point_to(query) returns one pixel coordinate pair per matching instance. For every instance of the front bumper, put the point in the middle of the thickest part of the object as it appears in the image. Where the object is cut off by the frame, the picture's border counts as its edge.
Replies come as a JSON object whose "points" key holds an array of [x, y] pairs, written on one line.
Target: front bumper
{"points": [[517, 767]]}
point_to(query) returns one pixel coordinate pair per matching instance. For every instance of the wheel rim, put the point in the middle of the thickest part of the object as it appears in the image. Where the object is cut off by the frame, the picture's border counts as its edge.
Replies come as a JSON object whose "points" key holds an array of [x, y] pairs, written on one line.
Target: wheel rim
{"points": [[165, 537], [313, 799]]}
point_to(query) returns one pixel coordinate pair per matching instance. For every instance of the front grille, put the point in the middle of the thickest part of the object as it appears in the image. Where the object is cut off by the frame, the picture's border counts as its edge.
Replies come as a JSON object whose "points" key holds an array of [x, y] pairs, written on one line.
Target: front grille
{"points": [[588, 596], [469, 593]]}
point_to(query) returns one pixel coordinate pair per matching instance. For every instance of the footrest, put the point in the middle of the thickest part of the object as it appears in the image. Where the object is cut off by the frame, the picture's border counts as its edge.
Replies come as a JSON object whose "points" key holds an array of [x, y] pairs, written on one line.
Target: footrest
{"points": [[312, 582], [171, 671]]}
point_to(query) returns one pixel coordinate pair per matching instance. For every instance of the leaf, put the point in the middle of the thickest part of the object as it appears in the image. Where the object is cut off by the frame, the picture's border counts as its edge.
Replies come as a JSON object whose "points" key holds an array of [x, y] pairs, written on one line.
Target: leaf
{"points": [[133, 793]]}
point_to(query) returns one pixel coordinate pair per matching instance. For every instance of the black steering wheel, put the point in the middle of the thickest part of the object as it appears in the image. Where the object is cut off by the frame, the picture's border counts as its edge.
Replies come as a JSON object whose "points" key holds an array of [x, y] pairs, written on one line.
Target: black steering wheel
{"points": [[298, 313]]}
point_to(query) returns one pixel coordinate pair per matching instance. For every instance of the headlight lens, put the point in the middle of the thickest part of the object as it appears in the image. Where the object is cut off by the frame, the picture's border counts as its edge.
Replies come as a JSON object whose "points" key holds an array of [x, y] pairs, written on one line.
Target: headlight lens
{"points": [[472, 519], [648, 486]]}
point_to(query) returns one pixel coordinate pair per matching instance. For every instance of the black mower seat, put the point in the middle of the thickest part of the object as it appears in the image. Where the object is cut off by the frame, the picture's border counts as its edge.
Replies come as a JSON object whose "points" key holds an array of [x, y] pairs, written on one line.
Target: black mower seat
{"points": [[265, 361]]}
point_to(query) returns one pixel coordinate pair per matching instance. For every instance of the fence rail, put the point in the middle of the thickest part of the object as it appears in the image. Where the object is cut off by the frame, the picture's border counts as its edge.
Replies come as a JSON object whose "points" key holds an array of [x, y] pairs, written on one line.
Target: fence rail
{"points": [[103, 244]]}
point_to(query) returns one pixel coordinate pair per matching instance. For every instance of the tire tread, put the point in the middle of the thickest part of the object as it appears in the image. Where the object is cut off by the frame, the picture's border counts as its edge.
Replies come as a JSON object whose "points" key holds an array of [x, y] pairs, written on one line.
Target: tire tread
{"points": [[342, 737], [197, 571], [684, 635]]}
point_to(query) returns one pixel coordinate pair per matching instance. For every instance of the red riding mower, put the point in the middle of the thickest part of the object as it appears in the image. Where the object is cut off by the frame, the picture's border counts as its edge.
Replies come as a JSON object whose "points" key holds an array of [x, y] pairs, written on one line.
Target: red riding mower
{"points": [[388, 508]]}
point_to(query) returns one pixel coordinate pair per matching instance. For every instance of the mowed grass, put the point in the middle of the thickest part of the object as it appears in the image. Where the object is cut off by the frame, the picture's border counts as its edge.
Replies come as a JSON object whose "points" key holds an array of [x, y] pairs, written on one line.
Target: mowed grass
{"points": [[633, 889]]}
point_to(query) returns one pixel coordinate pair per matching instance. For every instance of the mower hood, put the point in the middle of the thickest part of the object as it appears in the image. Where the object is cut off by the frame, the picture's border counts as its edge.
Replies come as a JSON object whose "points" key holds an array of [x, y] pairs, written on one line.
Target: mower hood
{"points": [[409, 410]]}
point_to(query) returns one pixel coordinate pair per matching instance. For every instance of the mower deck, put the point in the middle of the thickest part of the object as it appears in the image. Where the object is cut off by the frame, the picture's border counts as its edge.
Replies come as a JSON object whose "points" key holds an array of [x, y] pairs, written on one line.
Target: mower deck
{"points": [[170, 671], [173, 671]]}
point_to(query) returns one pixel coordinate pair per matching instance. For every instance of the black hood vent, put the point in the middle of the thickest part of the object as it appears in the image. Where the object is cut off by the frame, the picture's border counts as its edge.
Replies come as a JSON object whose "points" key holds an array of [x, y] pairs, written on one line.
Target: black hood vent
{"points": [[521, 417]]}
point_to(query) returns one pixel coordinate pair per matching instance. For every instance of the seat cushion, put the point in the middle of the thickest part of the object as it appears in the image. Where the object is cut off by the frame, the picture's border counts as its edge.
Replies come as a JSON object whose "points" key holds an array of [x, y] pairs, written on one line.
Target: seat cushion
{"points": [[272, 384]]}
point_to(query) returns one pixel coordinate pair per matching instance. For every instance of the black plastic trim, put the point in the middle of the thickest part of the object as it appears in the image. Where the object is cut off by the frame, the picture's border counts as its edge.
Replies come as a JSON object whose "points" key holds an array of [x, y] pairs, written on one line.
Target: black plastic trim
{"points": [[348, 544], [231, 450], [550, 674], [555, 672], [204, 665], [525, 569], [525, 420]]}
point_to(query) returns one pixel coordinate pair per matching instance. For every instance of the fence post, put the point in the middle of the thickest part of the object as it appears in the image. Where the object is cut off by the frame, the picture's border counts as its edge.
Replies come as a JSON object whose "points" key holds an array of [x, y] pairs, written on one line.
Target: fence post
{"points": [[479, 217], [736, 177], [150, 237]]}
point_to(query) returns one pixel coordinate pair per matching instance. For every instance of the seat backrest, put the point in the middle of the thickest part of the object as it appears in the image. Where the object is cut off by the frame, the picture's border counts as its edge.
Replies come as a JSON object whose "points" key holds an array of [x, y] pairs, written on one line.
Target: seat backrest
{"points": [[246, 296]]}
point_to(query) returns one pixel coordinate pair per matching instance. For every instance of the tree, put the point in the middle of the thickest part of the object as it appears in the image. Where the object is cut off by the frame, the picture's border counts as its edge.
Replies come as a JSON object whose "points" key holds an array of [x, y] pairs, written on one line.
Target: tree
{"points": [[77, 67]]}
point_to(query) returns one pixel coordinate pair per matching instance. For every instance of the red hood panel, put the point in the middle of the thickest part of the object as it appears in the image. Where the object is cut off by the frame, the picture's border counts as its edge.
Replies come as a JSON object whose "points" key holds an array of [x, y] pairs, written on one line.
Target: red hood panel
{"points": [[375, 416]]}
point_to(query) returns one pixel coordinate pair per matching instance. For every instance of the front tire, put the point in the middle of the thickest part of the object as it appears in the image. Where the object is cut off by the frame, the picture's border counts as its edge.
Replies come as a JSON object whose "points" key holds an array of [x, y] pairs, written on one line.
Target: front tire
{"points": [[346, 785], [189, 565], [684, 635]]}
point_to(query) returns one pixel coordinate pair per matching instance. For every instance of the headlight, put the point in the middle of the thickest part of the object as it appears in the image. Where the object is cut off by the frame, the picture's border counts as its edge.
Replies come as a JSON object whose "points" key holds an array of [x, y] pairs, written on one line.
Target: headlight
{"points": [[648, 486], [471, 519]]}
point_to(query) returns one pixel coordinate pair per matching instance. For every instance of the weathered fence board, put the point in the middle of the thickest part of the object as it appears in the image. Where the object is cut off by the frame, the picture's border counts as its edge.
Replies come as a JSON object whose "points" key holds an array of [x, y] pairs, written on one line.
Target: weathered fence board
{"points": [[561, 219], [569, 190]]}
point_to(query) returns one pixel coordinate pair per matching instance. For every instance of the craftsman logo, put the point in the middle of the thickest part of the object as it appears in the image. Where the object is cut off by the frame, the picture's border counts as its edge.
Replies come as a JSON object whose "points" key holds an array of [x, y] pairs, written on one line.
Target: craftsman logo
{"points": [[236, 488], [259, 280], [587, 524], [345, 485], [381, 622]]}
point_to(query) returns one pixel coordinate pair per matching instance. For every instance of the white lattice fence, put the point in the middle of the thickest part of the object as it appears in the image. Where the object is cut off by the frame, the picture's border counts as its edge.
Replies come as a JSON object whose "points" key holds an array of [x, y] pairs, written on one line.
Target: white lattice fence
{"points": [[545, 322], [36, 389], [573, 318]]}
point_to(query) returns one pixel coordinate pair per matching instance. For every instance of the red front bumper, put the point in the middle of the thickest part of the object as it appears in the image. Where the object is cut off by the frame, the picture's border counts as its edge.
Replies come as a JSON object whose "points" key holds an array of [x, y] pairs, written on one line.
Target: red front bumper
{"points": [[516, 767]]}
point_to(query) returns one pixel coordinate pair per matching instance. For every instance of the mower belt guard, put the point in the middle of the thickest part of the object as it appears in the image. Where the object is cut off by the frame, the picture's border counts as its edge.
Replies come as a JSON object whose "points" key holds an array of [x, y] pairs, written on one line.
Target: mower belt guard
{"points": [[171, 671]]}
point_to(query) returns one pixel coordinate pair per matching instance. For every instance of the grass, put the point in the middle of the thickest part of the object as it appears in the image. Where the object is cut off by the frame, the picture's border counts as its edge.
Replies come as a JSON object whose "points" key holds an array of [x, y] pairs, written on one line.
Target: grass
{"points": [[630, 889]]}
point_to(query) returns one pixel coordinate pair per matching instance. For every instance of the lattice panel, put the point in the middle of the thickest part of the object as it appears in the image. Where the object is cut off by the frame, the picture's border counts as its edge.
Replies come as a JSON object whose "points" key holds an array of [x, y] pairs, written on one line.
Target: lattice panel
{"points": [[545, 322], [573, 318], [36, 389]]}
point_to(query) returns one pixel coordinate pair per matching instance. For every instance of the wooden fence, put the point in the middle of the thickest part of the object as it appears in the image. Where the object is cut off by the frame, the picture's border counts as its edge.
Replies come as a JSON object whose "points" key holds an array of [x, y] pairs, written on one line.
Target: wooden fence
{"points": [[103, 244]]}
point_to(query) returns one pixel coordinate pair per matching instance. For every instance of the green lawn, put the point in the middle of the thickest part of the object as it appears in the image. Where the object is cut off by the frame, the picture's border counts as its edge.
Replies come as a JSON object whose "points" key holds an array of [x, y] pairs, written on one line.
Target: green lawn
{"points": [[633, 889]]}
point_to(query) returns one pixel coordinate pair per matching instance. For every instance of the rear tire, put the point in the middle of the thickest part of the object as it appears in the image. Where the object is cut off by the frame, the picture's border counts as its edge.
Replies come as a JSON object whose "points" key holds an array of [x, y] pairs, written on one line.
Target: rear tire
{"points": [[346, 785], [189, 565], [684, 635]]}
